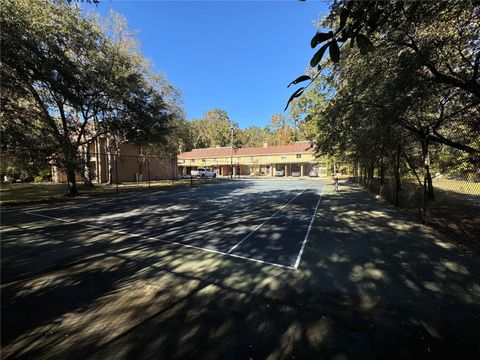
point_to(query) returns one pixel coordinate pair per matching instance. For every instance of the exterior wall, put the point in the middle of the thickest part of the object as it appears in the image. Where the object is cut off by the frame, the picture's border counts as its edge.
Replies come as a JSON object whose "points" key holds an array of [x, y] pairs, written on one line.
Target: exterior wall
{"points": [[104, 165], [98, 153], [248, 160], [258, 165], [59, 176], [132, 166], [128, 164]]}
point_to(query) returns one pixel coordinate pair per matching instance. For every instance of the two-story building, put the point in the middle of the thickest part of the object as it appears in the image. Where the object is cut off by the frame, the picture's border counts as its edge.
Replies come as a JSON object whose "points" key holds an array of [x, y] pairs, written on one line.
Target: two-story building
{"points": [[126, 164], [296, 159]]}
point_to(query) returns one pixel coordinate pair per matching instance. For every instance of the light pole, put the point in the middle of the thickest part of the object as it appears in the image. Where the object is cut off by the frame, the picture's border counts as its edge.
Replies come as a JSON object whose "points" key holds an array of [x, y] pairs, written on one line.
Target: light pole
{"points": [[231, 154]]}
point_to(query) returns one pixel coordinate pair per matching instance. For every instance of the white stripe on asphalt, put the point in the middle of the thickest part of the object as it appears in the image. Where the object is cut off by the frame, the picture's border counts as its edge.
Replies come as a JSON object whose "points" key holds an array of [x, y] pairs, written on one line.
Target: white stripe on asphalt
{"points": [[164, 241], [297, 262], [271, 217]]}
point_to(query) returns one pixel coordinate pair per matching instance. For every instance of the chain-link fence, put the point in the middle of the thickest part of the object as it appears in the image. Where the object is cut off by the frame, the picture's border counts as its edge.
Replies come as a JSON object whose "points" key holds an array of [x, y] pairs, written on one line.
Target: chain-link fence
{"points": [[97, 173], [447, 200]]}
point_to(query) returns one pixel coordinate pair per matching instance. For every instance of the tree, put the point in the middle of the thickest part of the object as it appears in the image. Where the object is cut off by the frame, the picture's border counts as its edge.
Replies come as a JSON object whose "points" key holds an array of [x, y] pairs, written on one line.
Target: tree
{"points": [[408, 84], [254, 136], [80, 83], [213, 129], [448, 55], [282, 131], [380, 103]]}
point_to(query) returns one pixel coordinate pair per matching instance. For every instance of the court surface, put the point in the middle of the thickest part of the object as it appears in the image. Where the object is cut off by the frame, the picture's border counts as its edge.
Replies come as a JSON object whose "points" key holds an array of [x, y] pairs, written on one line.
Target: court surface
{"points": [[266, 221]]}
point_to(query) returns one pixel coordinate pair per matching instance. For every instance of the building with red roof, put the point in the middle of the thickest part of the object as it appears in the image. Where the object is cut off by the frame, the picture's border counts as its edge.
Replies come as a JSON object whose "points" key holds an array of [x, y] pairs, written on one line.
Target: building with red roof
{"points": [[296, 159]]}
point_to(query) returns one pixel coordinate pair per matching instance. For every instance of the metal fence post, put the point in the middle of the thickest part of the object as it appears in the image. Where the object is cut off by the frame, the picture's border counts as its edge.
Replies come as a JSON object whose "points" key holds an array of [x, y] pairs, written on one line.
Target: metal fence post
{"points": [[68, 187], [148, 170], [116, 170], [173, 171], [397, 175]]}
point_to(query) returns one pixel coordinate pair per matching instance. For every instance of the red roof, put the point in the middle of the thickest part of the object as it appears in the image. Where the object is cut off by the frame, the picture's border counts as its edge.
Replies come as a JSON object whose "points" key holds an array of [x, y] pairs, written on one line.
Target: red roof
{"points": [[296, 148]]}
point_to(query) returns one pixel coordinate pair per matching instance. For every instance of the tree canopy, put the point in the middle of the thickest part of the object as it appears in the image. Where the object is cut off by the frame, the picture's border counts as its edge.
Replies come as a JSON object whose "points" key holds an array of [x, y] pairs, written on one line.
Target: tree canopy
{"points": [[411, 25], [407, 80], [68, 79], [215, 129]]}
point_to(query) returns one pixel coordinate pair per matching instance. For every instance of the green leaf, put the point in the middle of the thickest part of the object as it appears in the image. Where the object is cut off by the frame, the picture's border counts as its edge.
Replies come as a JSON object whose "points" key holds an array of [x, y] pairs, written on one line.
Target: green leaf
{"points": [[320, 37], [299, 80], [334, 51], [364, 44], [294, 95], [318, 55]]}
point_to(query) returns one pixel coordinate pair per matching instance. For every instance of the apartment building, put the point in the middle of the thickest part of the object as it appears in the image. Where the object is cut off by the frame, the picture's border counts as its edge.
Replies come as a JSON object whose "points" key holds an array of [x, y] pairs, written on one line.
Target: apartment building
{"points": [[296, 159], [129, 164]]}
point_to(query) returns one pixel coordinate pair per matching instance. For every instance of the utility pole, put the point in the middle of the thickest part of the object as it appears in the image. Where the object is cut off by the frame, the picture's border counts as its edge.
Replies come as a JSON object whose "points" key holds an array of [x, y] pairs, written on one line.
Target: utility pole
{"points": [[231, 153]]}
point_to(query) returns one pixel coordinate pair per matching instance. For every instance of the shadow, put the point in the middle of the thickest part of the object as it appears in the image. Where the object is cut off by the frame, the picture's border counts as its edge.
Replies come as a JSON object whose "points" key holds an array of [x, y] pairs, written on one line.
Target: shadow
{"points": [[372, 284], [457, 215], [454, 211]]}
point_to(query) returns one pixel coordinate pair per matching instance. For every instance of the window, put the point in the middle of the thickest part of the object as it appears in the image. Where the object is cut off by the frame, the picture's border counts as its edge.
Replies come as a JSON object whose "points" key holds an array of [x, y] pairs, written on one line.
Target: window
{"points": [[252, 157], [203, 160], [283, 157], [299, 156], [193, 160]]}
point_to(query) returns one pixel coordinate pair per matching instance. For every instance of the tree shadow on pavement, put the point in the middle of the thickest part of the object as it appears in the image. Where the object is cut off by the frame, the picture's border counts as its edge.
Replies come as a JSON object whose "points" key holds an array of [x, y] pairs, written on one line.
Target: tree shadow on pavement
{"points": [[371, 284]]}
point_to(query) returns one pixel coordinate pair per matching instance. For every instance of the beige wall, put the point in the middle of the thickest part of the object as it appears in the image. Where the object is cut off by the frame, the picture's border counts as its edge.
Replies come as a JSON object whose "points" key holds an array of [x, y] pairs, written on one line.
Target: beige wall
{"points": [[150, 168], [259, 165], [104, 165], [257, 169], [250, 160]]}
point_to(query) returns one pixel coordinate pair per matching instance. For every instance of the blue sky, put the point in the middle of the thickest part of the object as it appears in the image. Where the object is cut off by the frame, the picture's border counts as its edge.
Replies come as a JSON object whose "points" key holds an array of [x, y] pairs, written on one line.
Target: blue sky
{"points": [[238, 56]]}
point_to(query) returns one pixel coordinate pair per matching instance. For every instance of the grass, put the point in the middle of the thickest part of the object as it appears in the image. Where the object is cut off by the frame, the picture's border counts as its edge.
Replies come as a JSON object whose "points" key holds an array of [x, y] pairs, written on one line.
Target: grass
{"points": [[458, 186], [24, 193]]}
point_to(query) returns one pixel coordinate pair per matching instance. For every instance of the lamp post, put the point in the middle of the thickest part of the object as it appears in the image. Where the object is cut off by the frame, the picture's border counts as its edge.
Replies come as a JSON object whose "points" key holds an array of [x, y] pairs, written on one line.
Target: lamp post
{"points": [[231, 154]]}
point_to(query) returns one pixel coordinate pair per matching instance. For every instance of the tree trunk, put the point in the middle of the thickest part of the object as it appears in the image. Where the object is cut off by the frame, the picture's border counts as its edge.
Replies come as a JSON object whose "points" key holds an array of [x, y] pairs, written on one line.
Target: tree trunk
{"points": [[382, 173], [71, 168], [427, 179], [72, 184], [365, 174], [430, 191], [428, 184], [397, 175], [87, 176]]}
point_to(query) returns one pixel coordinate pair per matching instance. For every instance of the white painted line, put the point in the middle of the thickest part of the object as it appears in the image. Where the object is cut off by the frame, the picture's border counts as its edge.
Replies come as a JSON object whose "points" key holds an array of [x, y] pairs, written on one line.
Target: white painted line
{"points": [[114, 197], [297, 262], [259, 226], [161, 240]]}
